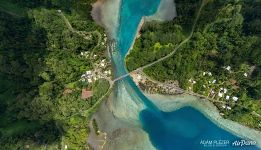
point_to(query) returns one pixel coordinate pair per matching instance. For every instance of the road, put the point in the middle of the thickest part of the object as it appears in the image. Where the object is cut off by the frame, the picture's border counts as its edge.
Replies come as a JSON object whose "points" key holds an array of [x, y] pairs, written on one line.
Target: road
{"points": [[85, 34], [171, 53]]}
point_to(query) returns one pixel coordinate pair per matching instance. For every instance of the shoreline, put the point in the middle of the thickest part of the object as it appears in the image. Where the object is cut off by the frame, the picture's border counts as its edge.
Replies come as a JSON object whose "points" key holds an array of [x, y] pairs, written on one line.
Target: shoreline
{"points": [[118, 129], [170, 103], [142, 21]]}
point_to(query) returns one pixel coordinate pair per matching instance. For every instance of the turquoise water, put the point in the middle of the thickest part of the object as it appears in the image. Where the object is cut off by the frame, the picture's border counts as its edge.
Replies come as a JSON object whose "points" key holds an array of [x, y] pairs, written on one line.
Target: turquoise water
{"points": [[131, 13], [179, 130]]}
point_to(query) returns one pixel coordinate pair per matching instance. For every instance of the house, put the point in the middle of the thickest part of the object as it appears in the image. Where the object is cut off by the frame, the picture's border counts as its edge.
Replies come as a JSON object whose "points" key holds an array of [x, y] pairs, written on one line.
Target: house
{"points": [[235, 98], [227, 97], [89, 72], [228, 68], [212, 92], [139, 77], [214, 81], [102, 64], [245, 74], [90, 80], [220, 94], [86, 94], [225, 90]]}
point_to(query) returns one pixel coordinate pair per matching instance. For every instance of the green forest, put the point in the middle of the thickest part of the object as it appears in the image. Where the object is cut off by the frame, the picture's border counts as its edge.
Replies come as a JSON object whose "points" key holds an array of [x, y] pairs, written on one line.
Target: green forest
{"points": [[225, 44], [39, 59]]}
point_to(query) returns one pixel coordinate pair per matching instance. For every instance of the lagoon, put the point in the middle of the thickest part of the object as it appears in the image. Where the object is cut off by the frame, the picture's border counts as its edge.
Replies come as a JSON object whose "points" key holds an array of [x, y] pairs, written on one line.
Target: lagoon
{"points": [[181, 129]]}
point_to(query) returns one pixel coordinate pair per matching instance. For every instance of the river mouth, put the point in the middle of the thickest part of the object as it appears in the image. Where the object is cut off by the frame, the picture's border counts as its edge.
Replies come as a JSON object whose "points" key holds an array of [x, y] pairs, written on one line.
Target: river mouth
{"points": [[136, 119]]}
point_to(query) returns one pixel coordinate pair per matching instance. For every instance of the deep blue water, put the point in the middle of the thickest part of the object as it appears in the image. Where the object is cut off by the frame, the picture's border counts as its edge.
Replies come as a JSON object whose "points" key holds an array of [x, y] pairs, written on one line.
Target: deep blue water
{"points": [[186, 129], [179, 130]]}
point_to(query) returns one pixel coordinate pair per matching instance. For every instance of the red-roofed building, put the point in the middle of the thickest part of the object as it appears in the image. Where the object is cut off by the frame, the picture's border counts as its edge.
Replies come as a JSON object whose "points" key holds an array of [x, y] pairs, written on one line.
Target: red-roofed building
{"points": [[86, 94]]}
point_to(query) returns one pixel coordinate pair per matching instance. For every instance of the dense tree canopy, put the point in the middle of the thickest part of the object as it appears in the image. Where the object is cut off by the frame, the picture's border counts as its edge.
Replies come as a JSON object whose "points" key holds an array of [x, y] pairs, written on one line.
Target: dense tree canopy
{"points": [[226, 34], [39, 58]]}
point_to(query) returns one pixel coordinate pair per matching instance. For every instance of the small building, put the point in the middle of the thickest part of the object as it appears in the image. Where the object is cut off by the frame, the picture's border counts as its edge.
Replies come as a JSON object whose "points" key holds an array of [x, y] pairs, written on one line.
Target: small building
{"points": [[245, 74], [225, 90], [220, 94], [86, 94], [88, 72], [228, 68], [90, 80], [235, 98], [214, 81], [102, 64], [139, 77], [227, 97]]}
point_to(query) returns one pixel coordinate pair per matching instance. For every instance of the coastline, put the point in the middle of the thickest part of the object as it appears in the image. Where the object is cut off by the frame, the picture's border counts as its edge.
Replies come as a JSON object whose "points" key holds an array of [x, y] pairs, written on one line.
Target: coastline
{"points": [[170, 103], [121, 129], [142, 21]]}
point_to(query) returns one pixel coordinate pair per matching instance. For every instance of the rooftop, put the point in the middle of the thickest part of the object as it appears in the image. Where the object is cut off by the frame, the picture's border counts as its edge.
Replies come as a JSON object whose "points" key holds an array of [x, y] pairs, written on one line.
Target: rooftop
{"points": [[86, 94]]}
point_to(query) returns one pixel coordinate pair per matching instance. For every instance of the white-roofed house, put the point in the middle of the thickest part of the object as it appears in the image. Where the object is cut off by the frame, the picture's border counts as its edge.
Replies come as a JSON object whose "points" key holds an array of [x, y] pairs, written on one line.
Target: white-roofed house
{"points": [[245, 74], [220, 94], [228, 68], [88, 72], [235, 98], [227, 97], [90, 80], [214, 81], [225, 90], [228, 108]]}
